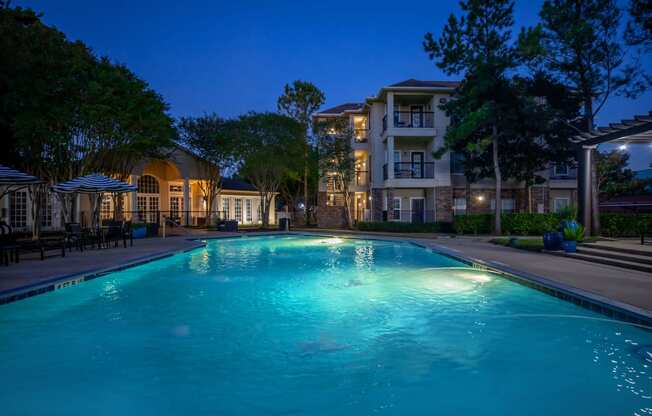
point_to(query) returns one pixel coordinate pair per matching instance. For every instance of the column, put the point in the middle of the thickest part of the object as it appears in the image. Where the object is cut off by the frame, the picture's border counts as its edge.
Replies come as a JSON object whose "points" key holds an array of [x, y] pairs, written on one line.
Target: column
{"points": [[390, 110], [390, 157], [186, 201], [133, 199], [584, 187]]}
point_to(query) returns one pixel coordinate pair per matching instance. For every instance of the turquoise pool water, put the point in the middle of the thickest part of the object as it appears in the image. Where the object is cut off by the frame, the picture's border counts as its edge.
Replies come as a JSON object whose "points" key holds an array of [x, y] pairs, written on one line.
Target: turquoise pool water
{"points": [[315, 326]]}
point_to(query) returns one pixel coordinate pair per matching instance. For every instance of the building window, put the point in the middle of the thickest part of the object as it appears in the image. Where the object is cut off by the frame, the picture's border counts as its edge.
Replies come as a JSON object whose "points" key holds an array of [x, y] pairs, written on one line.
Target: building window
{"points": [[238, 210], [248, 213], [176, 206], [148, 185], [46, 211], [560, 203], [508, 205], [457, 163], [396, 215], [259, 212], [560, 169], [18, 209], [226, 207], [176, 188], [459, 206], [106, 210]]}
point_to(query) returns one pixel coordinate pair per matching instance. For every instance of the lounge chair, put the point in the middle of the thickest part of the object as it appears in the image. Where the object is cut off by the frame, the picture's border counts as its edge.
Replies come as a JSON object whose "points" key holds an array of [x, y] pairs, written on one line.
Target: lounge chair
{"points": [[75, 236]]}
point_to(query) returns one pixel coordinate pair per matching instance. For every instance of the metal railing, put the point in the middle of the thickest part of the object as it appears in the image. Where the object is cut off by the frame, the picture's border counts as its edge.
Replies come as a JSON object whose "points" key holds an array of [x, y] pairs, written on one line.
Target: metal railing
{"points": [[360, 135], [409, 170], [412, 216], [414, 119], [182, 217]]}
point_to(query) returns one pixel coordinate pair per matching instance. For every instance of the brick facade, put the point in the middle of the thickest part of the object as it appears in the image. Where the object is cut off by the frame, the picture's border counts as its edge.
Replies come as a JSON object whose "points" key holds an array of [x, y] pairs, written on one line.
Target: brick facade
{"points": [[444, 204], [328, 216], [377, 204]]}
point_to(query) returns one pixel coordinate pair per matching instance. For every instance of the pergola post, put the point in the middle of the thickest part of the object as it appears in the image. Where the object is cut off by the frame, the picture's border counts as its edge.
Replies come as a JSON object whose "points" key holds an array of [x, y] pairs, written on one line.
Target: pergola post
{"points": [[584, 186]]}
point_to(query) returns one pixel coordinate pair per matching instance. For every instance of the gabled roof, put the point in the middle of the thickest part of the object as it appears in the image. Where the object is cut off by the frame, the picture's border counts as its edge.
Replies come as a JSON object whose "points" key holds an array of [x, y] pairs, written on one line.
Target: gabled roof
{"points": [[415, 83], [237, 185], [340, 109]]}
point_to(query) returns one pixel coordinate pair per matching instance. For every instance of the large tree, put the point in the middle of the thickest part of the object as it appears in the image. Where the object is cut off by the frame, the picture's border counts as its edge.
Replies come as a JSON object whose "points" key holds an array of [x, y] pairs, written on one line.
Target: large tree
{"points": [[209, 138], [478, 45], [66, 112], [578, 43], [614, 176], [272, 147], [300, 101], [336, 159], [639, 28]]}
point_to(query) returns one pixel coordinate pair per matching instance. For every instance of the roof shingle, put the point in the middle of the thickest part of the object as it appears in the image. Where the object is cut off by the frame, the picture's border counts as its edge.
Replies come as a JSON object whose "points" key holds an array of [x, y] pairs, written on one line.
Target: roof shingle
{"points": [[342, 108], [433, 84]]}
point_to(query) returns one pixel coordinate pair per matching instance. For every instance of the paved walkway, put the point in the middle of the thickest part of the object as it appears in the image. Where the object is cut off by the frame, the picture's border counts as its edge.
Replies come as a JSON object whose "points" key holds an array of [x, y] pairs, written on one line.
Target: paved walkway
{"points": [[628, 287], [31, 270]]}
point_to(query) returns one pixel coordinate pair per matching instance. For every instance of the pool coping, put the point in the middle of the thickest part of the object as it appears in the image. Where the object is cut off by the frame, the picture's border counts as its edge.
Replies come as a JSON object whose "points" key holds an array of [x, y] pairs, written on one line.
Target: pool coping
{"points": [[588, 300]]}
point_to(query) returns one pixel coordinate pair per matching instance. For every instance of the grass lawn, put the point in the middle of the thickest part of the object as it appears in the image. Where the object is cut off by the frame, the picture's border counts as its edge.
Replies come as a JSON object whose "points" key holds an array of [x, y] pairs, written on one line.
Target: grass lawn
{"points": [[525, 243]]}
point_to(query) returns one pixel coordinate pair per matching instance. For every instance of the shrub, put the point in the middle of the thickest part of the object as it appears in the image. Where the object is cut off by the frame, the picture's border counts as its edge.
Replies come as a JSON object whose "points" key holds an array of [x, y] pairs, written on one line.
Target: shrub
{"points": [[574, 233], [406, 227], [625, 225], [473, 223], [529, 224]]}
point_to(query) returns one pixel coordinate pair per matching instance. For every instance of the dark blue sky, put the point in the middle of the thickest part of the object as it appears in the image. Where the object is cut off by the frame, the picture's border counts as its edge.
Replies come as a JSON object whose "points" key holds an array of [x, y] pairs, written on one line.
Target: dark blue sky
{"points": [[231, 57]]}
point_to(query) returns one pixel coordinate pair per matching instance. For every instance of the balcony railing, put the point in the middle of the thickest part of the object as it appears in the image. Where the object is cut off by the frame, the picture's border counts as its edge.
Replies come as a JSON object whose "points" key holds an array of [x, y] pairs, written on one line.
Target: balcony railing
{"points": [[360, 135], [409, 170], [414, 119], [417, 216]]}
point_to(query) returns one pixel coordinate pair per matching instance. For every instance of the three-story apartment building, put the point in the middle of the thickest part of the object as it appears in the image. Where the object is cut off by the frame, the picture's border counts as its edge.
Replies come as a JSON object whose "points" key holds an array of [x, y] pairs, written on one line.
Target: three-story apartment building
{"points": [[397, 177]]}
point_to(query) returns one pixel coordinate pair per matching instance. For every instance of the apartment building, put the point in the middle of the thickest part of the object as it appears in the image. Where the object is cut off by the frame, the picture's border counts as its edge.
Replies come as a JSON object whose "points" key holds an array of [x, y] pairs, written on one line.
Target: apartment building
{"points": [[398, 179]]}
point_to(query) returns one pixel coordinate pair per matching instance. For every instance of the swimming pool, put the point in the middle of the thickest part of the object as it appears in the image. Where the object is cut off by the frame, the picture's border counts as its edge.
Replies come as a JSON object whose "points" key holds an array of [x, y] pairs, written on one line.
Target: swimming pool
{"points": [[296, 325]]}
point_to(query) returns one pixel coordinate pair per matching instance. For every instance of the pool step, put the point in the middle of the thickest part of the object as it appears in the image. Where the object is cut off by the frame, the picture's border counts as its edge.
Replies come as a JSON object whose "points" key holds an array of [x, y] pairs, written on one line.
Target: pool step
{"points": [[625, 250], [618, 255], [631, 263]]}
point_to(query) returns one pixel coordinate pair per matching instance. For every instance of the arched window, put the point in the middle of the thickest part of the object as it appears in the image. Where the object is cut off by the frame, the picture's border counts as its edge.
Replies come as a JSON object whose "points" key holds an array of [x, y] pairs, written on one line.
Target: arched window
{"points": [[147, 184]]}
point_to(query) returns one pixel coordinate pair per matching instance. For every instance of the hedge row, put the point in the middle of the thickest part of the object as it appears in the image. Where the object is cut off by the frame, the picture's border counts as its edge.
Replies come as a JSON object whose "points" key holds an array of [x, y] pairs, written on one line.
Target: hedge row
{"points": [[406, 227], [613, 225], [625, 225]]}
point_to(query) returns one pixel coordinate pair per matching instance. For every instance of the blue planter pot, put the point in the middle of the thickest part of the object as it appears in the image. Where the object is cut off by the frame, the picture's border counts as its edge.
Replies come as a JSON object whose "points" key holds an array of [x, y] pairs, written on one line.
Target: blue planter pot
{"points": [[140, 232], [569, 246], [552, 240]]}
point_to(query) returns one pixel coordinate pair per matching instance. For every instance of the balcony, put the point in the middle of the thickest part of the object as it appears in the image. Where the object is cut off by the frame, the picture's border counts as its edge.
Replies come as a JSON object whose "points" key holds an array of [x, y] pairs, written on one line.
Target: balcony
{"points": [[360, 135], [425, 170], [411, 120], [361, 177]]}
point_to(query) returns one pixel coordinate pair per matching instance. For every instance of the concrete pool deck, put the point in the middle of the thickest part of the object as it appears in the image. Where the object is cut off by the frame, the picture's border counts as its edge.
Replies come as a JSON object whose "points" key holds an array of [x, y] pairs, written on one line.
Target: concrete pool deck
{"points": [[627, 289]]}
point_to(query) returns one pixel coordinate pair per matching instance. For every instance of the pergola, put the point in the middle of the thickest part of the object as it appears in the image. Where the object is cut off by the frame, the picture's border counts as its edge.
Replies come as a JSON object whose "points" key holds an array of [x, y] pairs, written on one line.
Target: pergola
{"points": [[635, 131]]}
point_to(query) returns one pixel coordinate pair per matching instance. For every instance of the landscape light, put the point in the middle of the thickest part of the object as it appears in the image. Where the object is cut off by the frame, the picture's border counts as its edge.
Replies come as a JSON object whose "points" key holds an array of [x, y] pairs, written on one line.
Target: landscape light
{"points": [[480, 197], [622, 147]]}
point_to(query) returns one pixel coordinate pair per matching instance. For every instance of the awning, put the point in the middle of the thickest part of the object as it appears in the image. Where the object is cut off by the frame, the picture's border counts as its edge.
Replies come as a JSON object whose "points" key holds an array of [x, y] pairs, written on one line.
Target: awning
{"points": [[9, 176]]}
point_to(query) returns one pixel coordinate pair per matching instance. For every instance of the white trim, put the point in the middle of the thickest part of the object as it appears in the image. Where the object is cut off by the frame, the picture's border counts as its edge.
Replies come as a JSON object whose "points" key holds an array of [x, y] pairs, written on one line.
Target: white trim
{"points": [[400, 206]]}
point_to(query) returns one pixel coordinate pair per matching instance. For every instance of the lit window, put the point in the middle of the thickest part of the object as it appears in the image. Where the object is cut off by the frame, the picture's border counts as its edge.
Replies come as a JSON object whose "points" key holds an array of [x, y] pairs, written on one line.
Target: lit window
{"points": [[459, 206], [176, 188], [148, 185], [238, 210], [248, 213], [397, 209]]}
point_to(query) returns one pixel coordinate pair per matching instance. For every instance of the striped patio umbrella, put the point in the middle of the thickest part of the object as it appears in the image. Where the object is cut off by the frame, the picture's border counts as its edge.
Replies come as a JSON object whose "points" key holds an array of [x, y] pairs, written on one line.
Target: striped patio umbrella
{"points": [[93, 184], [9, 176]]}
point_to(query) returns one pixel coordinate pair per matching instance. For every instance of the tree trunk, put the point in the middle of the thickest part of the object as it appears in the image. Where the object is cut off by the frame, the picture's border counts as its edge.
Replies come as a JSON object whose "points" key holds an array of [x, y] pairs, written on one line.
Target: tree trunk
{"points": [[499, 183], [305, 184], [529, 199], [347, 208]]}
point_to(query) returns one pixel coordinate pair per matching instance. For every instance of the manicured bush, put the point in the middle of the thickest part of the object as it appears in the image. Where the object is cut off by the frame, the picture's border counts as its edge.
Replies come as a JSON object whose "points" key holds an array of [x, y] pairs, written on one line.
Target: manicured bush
{"points": [[513, 224], [406, 227], [529, 224], [625, 225], [473, 223]]}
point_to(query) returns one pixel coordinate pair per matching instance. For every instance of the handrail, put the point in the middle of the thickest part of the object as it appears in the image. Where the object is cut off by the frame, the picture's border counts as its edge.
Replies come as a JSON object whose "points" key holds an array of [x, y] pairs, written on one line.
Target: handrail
{"points": [[411, 170], [414, 119]]}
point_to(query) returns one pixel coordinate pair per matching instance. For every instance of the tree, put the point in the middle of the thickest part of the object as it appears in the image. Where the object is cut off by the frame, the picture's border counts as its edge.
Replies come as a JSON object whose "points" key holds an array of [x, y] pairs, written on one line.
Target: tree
{"points": [[67, 112], [210, 138], [613, 175], [336, 159], [639, 28], [478, 45], [577, 43], [272, 149], [300, 101]]}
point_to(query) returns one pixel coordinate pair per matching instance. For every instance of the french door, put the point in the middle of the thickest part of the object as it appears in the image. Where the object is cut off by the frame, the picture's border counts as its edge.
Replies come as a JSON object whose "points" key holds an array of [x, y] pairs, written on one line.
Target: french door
{"points": [[417, 164], [417, 208]]}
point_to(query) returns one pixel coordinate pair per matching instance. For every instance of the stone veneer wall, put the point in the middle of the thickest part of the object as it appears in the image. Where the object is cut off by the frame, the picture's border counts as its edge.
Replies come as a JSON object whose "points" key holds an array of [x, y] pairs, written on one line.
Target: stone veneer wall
{"points": [[377, 204], [444, 204], [329, 217]]}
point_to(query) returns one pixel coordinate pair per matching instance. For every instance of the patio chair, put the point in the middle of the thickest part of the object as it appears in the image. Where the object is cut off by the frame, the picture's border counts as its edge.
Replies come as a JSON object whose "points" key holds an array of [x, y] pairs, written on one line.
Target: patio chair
{"points": [[74, 236], [112, 233], [127, 233], [8, 246]]}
